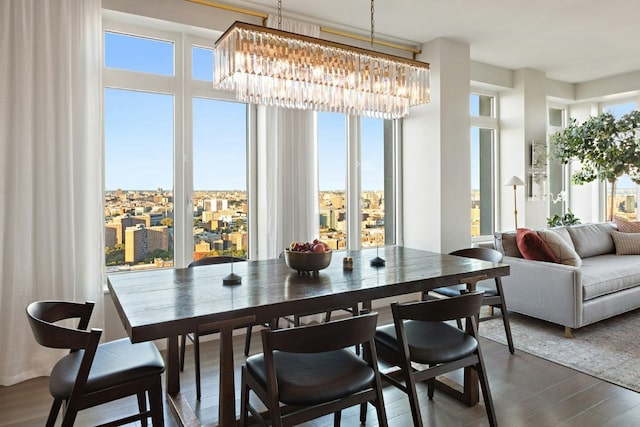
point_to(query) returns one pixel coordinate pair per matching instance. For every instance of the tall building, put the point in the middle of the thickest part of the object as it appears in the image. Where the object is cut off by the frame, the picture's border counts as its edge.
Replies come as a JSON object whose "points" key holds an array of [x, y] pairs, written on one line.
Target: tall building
{"points": [[125, 221], [141, 240]]}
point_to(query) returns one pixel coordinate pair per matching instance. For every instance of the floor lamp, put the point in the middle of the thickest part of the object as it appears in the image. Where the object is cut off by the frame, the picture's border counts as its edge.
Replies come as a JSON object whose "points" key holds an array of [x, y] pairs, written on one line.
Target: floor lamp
{"points": [[515, 182]]}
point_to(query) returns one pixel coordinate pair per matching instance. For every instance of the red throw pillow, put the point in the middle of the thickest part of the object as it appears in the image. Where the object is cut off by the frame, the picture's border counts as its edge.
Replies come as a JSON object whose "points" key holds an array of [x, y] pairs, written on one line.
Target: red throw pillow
{"points": [[533, 247]]}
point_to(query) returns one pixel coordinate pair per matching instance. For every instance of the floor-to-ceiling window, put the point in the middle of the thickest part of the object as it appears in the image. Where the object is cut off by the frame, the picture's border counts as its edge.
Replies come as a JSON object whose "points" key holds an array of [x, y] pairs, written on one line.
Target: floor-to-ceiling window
{"points": [[332, 179], [625, 203], [370, 171], [178, 155], [484, 128], [139, 132]]}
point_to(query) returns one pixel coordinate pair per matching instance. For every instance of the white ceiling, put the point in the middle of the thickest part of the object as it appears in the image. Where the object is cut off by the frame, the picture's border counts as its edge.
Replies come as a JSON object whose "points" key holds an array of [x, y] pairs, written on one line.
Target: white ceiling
{"points": [[569, 40]]}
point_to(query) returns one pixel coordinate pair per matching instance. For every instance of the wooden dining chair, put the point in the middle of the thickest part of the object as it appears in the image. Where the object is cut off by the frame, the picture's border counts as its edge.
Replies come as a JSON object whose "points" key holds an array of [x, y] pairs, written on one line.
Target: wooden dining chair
{"points": [[420, 334], [493, 296], [314, 372], [203, 330], [92, 373]]}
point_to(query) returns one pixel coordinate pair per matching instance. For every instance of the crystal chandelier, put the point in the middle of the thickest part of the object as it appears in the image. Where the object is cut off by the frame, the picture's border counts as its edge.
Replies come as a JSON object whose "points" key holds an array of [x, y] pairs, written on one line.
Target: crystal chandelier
{"points": [[273, 67]]}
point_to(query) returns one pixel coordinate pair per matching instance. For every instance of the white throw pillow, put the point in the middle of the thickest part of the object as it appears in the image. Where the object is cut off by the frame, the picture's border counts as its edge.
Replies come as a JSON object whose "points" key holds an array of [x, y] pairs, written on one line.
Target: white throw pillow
{"points": [[560, 248]]}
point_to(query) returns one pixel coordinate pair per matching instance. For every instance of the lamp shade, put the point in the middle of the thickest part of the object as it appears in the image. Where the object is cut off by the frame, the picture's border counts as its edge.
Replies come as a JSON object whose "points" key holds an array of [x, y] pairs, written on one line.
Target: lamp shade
{"points": [[514, 180]]}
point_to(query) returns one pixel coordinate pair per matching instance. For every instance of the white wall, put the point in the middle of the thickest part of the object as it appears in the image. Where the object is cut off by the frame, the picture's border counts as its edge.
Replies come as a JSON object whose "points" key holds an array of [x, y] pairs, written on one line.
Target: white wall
{"points": [[436, 155]]}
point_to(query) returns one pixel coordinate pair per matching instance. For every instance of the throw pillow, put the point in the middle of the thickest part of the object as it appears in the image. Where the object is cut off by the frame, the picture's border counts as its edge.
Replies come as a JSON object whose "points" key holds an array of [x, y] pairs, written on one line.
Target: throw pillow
{"points": [[627, 226], [505, 242], [626, 243], [533, 247], [592, 239], [560, 248]]}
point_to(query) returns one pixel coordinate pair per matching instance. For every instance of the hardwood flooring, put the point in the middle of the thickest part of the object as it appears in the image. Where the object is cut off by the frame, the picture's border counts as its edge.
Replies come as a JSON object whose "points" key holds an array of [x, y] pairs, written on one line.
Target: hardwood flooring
{"points": [[527, 391]]}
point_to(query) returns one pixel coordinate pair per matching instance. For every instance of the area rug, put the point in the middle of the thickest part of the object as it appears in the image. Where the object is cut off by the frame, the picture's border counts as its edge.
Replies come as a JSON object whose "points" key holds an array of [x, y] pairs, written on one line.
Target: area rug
{"points": [[609, 349]]}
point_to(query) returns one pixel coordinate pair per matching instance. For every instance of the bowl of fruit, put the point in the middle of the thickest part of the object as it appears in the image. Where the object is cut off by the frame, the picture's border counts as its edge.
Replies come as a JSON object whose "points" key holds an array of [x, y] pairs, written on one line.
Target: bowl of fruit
{"points": [[308, 257]]}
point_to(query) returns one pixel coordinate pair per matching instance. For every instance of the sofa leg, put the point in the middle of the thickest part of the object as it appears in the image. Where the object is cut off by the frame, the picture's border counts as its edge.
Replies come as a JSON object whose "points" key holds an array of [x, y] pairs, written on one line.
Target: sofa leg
{"points": [[567, 332]]}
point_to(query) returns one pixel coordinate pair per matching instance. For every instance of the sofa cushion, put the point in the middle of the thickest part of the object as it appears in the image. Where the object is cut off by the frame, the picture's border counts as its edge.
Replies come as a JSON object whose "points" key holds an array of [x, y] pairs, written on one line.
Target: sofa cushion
{"points": [[561, 249], [592, 239], [626, 243], [533, 247], [505, 242], [627, 226], [610, 273], [564, 233]]}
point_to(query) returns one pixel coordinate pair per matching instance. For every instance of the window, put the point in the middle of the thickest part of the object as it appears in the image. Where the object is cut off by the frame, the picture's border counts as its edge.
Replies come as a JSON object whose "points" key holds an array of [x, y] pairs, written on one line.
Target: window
{"points": [[177, 155], [139, 137], [484, 128], [558, 173], [372, 172], [332, 179], [625, 203], [219, 168]]}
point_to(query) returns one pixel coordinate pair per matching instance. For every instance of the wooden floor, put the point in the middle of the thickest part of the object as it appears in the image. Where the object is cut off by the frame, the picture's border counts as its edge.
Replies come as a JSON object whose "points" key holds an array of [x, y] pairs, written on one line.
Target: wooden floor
{"points": [[527, 391]]}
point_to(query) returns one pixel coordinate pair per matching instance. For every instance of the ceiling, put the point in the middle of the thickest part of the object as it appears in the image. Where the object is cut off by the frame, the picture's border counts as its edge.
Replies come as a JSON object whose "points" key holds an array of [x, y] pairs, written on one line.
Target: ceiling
{"points": [[569, 40]]}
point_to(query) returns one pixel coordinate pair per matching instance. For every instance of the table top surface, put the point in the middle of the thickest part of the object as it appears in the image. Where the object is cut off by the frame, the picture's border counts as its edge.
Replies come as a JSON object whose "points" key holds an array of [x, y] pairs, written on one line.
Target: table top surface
{"points": [[160, 303]]}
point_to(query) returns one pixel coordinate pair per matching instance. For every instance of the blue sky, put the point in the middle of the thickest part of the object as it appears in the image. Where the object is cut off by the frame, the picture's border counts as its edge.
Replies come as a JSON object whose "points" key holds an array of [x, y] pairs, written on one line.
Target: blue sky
{"points": [[139, 130]]}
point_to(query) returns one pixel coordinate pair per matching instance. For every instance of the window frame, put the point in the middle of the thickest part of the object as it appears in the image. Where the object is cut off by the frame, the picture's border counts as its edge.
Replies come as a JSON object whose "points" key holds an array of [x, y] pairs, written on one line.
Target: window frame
{"points": [[184, 88], [492, 123]]}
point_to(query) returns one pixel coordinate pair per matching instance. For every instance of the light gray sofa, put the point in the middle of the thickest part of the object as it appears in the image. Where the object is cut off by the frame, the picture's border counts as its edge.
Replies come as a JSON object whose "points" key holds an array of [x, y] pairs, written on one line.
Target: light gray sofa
{"points": [[599, 284]]}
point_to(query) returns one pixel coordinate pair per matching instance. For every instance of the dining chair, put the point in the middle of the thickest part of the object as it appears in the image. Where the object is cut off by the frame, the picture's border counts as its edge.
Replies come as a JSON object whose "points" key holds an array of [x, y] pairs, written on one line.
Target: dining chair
{"points": [[92, 373], [420, 334], [493, 296], [208, 329], [313, 371]]}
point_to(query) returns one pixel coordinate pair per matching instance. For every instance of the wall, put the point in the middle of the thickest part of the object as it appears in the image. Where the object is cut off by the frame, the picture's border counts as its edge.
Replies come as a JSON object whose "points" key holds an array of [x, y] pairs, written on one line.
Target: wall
{"points": [[436, 156]]}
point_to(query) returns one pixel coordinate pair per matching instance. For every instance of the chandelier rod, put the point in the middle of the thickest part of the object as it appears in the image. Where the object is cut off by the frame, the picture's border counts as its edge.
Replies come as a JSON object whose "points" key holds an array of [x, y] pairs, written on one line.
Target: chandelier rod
{"points": [[326, 30]]}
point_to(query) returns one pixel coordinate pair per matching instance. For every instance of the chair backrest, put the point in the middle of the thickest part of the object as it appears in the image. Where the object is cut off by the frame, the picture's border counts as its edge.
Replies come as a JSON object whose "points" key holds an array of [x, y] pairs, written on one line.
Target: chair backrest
{"points": [[438, 310], [43, 316], [484, 254], [322, 337], [215, 260]]}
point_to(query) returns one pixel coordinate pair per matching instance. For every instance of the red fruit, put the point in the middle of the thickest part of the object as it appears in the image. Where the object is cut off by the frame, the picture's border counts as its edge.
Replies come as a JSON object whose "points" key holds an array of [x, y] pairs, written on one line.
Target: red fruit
{"points": [[318, 247]]}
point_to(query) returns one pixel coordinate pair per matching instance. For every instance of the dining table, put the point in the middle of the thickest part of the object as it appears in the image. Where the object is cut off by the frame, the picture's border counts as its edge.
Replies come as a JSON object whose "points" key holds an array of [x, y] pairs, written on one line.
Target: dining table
{"points": [[166, 303]]}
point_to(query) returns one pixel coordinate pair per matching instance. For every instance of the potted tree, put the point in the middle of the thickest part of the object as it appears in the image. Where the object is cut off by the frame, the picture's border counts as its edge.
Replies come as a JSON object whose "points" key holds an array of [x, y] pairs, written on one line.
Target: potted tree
{"points": [[606, 148]]}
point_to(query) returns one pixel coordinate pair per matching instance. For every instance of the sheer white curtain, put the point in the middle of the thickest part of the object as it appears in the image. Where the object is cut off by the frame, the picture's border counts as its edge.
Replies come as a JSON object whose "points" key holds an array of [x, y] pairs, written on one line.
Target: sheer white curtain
{"points": [[287, 169], [51, 238]]}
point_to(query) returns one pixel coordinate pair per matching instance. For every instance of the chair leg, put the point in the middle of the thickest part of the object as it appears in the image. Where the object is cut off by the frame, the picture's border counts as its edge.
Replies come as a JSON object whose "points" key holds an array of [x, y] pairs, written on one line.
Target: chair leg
{"points": [[336, 418], [142, 406], [363, 413], [507, 329], [244, 399], [247, 340], [431, 386], [155, 403], [412, 393], [53, 413], [183, 348], [70, 414], [196, 357], [486, 392]]}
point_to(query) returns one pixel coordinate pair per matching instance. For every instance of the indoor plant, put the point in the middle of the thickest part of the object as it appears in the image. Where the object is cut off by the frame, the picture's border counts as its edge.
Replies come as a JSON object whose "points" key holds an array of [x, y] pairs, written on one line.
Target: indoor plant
{"points": [[606, 148]]}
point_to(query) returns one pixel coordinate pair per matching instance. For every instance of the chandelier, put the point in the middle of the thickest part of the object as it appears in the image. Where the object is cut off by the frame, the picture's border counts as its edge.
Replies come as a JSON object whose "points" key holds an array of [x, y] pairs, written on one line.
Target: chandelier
{"points": [[273, 67]]}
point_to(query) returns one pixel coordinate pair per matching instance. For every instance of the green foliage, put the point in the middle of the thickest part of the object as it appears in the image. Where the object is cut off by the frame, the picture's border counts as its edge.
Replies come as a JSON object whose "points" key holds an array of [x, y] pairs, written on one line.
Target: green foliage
{"points": [[167, 221], [115, 255], [158, 253], [567, 219], [606, 148]]}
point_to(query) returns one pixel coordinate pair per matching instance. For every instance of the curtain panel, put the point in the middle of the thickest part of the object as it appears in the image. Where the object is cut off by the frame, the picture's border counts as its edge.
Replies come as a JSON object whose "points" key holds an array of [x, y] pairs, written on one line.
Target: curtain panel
{"points": [[51, 238], [287, 182]]}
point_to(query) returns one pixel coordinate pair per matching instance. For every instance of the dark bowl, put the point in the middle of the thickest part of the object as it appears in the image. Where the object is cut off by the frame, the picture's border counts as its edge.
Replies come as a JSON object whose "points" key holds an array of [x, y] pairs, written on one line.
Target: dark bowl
{"points": [[307, 261]]}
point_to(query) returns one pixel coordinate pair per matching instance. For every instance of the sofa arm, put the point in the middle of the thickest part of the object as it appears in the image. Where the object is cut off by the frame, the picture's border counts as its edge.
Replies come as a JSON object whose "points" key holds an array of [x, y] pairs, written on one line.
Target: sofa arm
{"points": [[545, 290]]}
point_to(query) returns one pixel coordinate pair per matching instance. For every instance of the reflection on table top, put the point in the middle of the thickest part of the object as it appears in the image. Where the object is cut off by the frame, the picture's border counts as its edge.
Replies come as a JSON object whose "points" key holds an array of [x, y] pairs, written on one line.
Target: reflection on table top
{"points": [[160, 303]]}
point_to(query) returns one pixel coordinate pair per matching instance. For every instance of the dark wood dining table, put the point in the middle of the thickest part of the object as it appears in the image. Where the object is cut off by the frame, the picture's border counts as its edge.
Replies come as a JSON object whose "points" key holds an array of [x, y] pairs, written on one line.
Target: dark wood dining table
{"points": [[166, 303]]}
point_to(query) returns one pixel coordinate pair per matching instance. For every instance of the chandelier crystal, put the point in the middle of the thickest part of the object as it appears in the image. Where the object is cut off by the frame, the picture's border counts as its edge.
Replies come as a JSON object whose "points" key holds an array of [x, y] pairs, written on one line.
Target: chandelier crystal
{"points": [[273, 67]]}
